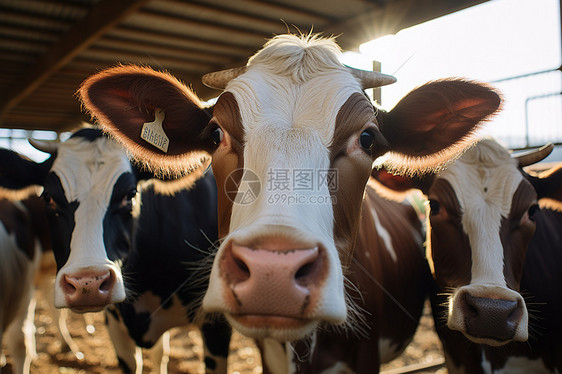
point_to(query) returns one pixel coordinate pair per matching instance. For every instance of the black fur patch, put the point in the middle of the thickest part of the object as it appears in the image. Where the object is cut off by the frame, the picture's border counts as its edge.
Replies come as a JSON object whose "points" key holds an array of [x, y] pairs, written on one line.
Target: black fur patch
{"points": [[89, 134]]}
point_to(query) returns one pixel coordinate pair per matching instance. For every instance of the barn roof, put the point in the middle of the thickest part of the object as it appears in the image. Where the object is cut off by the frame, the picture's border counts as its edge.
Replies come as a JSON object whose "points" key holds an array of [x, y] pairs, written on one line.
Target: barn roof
{"points": [[48, 47]]}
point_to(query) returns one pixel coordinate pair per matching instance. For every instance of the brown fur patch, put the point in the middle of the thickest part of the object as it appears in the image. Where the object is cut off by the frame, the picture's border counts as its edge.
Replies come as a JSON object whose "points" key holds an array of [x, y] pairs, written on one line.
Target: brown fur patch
{"points": [[516, 235], [227, 116], [448, 245], [353, 173]]}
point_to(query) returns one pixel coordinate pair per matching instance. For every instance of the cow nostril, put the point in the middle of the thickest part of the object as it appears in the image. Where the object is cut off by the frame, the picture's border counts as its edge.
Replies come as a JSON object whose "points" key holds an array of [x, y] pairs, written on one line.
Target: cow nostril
{"points": [[239, 271], [68, 286], [470, 310], [106, 284], [304, 271], [242, 266], [308, 272], [515, 315]]}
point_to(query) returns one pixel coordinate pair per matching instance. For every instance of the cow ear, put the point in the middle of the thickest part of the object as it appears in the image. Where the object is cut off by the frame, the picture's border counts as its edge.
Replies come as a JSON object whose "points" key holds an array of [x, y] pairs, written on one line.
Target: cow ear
{"points": [[548, 184], [433, 123], [122, 99], [18, 173]]}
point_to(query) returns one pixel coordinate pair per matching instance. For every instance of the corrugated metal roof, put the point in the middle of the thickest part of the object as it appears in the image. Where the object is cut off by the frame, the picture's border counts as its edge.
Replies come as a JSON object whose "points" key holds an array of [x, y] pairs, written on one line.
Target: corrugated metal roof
{"points": [[48, 47]]}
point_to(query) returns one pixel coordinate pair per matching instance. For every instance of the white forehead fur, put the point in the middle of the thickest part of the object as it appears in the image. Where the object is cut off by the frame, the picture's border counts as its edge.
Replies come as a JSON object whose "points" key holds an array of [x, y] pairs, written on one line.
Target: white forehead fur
{"points": [[294, 82], [86, 167], [484, 179]]}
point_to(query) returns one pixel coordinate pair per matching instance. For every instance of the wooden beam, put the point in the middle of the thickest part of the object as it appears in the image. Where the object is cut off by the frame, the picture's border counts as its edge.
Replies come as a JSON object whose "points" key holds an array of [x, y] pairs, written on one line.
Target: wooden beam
{"points": [[103, 16]]}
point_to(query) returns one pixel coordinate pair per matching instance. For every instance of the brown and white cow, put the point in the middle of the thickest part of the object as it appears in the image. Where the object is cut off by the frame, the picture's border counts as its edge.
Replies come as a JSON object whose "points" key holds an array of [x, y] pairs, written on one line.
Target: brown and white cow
{"points": [[388, 279], [294, 108], [495, 240]]}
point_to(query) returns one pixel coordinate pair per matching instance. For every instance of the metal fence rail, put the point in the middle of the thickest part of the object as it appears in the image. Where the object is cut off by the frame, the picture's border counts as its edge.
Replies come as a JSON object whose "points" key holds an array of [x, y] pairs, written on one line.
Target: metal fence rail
{"points": [[532, 110]]}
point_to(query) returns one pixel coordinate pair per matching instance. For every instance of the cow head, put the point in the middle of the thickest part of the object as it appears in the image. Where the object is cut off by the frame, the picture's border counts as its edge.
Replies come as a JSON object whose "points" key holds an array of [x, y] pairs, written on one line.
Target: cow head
{"points": [[481, 217], [88, 189], [293, 140]]}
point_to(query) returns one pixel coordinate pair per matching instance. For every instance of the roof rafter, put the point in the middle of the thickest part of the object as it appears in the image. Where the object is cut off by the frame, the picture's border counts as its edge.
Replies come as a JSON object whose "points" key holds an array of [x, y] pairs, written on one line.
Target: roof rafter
{"points": [[103, 16]]}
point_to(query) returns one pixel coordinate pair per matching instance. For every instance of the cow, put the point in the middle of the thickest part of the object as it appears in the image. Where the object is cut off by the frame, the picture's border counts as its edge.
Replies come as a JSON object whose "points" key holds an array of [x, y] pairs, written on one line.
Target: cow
{"points": [[494, 234], [89, 190], [391, 281], [23, 239], [293, 112], [166, 271]]}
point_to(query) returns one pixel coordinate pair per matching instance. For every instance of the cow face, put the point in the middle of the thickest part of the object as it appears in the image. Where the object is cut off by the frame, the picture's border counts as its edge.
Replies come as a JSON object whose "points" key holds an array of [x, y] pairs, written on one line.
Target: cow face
{"points": [[294, 112], [482, 215], [88, 194], [88, 191]]}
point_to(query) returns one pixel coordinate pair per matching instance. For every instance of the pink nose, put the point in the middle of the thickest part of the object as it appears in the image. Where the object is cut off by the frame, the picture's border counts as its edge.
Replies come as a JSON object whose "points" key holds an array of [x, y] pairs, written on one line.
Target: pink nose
{"points": [[89, 291], [273, 281]]}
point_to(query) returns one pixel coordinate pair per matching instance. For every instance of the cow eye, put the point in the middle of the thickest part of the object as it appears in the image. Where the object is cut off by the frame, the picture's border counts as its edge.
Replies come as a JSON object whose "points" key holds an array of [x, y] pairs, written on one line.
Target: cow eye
{"points": [[367, 141], [533, 210], [217, 136], [49, 201], [434, 207], [51, 204]]}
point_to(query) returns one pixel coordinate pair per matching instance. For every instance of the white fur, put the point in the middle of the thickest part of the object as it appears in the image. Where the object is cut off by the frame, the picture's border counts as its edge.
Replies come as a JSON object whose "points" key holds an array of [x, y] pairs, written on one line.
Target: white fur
{"points": [[88, 172], [124, 345], [483, 210], [338, 368], [385, 236], [388, 350], [485, 180], [276, 356], [516, 365], [288, 127]]}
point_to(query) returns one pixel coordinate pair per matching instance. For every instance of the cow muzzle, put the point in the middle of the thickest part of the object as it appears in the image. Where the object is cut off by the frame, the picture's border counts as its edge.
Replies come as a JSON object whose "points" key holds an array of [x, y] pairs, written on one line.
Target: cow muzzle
{"points": [[491, 315], [88, 290], [274, 289]]}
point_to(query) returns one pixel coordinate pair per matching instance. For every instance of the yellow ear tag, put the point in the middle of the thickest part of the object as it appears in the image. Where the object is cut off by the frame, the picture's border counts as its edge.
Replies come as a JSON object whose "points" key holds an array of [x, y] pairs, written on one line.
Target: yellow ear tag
{"points": [[153, 132]]}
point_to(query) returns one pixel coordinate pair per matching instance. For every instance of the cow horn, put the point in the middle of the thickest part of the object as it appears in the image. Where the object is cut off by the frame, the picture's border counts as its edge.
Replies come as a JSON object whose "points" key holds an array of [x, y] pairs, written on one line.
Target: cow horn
{"points": [[532, 157], [47, 146], [219, 79], [371, 79]]}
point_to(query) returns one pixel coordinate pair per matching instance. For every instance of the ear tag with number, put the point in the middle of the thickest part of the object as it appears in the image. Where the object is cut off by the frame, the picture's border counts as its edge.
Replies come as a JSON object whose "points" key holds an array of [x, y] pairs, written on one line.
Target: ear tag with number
{"points": [[153, 132]]}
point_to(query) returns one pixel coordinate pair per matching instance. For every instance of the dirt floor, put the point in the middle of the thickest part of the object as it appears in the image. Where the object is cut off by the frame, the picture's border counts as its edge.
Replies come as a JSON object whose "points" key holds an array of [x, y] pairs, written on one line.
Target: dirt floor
{"points": [[186, 351]]}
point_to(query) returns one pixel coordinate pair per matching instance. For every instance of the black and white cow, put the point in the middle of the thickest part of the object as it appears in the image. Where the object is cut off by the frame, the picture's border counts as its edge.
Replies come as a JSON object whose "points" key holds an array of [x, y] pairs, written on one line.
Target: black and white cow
{"points": [[89, 189], [166, 271], [22, 242]]}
